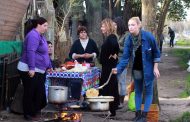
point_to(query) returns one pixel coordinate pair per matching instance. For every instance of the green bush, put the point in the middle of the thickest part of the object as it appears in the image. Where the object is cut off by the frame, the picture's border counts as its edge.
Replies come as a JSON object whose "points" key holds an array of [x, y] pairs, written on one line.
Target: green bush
{"points": [[184, 57], [186, 93], [183, 42], [184, 118]]}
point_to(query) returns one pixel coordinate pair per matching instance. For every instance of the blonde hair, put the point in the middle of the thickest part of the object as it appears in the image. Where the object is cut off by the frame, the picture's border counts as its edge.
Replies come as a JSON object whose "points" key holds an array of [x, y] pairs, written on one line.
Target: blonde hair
{"points": [[137, 20], [109, 25]]}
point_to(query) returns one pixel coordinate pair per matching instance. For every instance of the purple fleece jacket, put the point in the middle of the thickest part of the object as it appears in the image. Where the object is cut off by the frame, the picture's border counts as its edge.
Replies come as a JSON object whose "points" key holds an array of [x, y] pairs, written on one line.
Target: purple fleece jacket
{"points": [[35, 51]]}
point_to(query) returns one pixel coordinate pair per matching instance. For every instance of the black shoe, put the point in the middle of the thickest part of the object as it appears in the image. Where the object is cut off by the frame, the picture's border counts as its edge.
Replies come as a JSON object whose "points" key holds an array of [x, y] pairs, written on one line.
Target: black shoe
{"points": [[112, 112], [112, 115], [143, 117], [31, 118], [137, 116], [27, 117]]}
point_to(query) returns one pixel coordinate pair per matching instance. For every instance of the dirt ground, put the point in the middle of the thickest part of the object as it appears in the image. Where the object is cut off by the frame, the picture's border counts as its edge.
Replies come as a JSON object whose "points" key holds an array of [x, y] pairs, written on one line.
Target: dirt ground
{"points": [[170, 85]]}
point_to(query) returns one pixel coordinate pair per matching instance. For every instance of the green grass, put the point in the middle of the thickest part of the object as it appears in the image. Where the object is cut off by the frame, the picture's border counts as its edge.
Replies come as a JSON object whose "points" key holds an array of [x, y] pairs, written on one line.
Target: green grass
{"points": [[184, 118], [186, 92], [184, 57], [183, 42]]}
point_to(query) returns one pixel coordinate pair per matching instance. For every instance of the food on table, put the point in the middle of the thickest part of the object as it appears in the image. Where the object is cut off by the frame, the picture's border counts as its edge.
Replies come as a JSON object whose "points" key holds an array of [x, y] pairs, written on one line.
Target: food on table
{"points": [[68, 65], [92, 92], [63, 68], [74, 106]]}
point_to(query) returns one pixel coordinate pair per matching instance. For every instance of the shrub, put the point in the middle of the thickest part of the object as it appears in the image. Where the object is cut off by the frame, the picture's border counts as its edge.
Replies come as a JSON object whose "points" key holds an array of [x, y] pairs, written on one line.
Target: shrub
{"points": [[184, 57], [184, 118], [183, 42]]}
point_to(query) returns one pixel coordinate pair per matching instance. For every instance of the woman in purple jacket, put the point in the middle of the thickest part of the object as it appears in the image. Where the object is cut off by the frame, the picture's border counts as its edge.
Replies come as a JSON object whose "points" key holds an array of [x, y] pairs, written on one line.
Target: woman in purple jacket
{"points": [[32, 67]]}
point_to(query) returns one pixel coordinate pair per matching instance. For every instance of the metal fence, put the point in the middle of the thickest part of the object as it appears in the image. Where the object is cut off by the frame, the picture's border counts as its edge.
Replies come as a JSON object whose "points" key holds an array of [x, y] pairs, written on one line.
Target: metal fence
{"points": [[9, 78]]}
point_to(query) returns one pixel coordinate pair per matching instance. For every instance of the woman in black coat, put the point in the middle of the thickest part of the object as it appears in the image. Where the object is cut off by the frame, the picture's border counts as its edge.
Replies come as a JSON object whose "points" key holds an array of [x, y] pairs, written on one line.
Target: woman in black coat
{"points": [[84, 49], [109, 59]]}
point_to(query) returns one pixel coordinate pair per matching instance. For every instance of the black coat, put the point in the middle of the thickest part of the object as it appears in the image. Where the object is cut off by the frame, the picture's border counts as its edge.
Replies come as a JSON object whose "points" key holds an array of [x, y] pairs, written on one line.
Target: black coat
{"points": [[78, 49], [109, 47]]}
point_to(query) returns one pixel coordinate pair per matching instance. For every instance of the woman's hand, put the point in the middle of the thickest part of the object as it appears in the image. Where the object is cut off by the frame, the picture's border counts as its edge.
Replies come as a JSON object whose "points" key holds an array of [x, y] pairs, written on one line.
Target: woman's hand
{"points": [[156, 71], [113, 56], [87, 55], [50, 70], [114, 71], [79, 56], [31, 73]]}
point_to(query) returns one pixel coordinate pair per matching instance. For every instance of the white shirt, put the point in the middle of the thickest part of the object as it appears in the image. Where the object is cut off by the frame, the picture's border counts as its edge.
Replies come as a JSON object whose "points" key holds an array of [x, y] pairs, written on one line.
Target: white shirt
{"points": [[84, 44], [24, 67]]}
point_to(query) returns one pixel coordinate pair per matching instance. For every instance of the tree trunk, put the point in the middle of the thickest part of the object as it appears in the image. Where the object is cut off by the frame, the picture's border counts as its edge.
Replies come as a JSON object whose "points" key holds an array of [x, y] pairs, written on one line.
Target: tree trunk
{"points": [[74, 28], [110, 8], [94, 18], [149, 24], [149, 15], [105, 8], [127, 13], [162, 18], [117, 9], [129, 10]]}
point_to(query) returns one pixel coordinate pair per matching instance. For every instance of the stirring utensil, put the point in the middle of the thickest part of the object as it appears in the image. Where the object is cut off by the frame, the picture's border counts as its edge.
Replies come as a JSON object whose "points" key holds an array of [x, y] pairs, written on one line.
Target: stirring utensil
{"points": [[100, 87]]}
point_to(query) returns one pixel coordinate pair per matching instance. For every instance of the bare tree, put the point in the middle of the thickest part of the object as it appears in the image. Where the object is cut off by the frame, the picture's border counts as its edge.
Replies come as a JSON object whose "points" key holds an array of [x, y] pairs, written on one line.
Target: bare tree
{"points": [[94, 18], [62, 35]]}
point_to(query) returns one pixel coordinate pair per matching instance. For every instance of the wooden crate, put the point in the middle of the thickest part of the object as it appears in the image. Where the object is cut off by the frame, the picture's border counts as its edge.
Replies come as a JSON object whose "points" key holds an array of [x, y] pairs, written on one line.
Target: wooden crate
{"points": [[153, 114]]}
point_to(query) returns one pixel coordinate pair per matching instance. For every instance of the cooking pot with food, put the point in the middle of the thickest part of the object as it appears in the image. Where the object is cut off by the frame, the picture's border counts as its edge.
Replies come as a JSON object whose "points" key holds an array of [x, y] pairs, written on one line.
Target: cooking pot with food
{"points": [[57, 94], [100, 103]]}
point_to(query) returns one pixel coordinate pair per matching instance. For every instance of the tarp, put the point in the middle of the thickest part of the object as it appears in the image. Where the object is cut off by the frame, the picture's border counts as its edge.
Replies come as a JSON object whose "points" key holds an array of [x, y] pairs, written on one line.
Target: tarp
{"points": [[7, 47]]}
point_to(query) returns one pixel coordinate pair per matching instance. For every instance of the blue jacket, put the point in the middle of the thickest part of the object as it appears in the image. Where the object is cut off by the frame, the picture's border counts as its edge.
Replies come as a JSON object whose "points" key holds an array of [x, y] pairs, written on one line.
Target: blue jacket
{"points": [[150, 55]]}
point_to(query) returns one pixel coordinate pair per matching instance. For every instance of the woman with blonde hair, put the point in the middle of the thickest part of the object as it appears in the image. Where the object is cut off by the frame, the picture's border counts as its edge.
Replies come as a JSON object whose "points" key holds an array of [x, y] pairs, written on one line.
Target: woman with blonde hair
{"points": [[109, 59], [142, 47]]}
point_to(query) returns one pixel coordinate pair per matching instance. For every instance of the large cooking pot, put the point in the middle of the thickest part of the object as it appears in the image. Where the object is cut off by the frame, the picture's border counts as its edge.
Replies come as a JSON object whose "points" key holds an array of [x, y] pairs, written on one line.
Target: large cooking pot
{"points": [[57, 94], [99, 106], [100, 103]]}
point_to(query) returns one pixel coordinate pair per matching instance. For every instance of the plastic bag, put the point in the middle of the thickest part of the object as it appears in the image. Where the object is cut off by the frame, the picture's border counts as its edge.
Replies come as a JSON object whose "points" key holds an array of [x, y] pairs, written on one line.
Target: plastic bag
{"points": [[130, 88], [131, 102]]}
